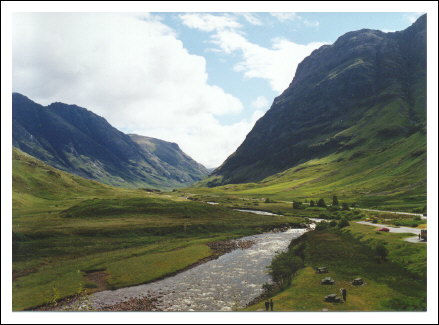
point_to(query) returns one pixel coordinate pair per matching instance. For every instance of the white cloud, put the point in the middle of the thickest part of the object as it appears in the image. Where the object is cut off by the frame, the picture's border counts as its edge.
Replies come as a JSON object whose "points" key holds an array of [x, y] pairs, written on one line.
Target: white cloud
{"points": [[250, 18], [412, 17], [293, 16], [209, 22], [284, 16], [260, 102], [310, 23], [276, 64], [132, 71]]}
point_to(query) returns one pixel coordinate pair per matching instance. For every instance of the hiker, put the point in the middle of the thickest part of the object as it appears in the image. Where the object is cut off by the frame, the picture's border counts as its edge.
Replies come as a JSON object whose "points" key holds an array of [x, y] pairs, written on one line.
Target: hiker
{"points": [[267, 305], [271, 304], [419, 236], [343, 293]]}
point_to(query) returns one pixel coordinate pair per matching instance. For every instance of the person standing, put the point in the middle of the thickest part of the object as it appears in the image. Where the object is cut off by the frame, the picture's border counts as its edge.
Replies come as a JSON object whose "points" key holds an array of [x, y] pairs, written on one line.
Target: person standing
{"points": [[343, 293], [267, 305], [271, 304]]}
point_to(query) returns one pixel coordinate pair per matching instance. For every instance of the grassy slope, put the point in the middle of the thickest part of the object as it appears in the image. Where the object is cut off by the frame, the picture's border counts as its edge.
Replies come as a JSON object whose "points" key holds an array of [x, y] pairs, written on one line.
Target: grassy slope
{"points": [[391, 175], [65, 226], [396, 284]]}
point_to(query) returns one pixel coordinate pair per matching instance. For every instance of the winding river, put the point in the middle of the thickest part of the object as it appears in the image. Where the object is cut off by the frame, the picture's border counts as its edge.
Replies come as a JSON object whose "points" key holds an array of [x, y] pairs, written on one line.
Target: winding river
{"points": [[224, 284]]}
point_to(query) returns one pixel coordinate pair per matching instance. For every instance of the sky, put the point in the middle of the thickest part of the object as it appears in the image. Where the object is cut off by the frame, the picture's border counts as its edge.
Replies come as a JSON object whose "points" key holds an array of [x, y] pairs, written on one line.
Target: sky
{"points": [[198, 79]]}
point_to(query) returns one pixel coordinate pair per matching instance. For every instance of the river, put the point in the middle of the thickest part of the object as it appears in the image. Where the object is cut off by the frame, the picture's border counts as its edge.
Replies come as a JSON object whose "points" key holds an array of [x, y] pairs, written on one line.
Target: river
{"points": [[225, 284]]}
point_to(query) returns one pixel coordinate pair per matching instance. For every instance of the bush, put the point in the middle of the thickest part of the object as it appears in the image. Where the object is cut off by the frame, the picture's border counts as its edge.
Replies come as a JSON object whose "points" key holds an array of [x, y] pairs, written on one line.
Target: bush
{"points": [[343, 223], [322, 225], [335, 200], [381, 251], [297, 205], [345, 206], [283, 267], [333, 223], [374, 220], [321, 203], [311, 203]]}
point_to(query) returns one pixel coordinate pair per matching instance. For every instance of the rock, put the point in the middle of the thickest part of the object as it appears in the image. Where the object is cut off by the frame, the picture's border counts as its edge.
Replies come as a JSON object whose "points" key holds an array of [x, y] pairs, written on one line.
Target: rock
{"points": [[332, 298], [358, 281], [327, 280]]}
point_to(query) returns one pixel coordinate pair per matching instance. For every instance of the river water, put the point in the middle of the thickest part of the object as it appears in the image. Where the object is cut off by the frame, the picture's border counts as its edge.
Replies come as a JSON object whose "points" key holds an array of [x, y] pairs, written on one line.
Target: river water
{"points": [[224, 284]]}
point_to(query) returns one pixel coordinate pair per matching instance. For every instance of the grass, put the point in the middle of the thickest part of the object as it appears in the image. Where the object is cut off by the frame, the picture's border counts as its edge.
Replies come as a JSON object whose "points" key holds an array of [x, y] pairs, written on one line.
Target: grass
{"points": [[390, 285], [65, 226], [377, 172]]}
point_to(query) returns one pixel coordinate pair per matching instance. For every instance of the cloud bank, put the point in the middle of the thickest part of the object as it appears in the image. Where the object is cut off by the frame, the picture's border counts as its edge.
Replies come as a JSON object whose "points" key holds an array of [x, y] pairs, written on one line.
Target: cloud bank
{"points": [[277, 64], [133, 71]]}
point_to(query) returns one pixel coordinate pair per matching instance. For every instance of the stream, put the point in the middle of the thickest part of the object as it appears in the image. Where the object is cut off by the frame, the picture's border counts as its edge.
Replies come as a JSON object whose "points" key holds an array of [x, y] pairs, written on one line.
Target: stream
{"points": [[225, 284]]}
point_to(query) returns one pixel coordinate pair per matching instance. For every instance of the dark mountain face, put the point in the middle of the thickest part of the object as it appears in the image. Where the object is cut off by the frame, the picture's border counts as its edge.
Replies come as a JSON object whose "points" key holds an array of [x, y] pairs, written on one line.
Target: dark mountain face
{"points": [[365, 91], [170, 153], [76, 140]]}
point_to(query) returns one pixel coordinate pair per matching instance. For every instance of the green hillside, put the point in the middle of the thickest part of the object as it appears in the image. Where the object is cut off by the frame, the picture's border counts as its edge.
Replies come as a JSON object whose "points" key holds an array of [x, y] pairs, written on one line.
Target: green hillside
{"points": [[352, 123]]}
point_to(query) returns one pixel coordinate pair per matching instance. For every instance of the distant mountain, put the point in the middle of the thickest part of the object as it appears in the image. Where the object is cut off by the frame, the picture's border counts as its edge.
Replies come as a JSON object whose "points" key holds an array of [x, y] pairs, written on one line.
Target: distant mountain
{"points": [[170, 153], [349, 104], [78, 141]]}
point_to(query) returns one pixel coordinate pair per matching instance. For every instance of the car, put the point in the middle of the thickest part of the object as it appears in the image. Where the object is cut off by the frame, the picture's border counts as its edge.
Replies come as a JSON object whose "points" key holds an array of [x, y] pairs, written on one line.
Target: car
{"points": [[384, 229]]}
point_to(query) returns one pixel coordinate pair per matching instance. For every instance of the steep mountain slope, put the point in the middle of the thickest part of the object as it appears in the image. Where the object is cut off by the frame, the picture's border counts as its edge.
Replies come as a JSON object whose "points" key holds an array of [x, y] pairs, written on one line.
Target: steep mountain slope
{"points": [[170, 153], [349, 105], [76, 140]]}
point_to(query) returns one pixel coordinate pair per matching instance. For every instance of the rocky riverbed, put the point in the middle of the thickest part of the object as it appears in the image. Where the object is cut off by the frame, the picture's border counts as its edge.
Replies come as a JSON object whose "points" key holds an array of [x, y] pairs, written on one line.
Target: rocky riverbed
{"points": [[225, 283]]}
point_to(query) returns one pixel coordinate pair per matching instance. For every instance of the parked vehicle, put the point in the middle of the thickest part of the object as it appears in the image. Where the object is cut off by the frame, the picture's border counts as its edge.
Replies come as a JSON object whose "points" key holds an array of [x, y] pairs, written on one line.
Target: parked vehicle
{"points": [[424, 234], [384, 229]]}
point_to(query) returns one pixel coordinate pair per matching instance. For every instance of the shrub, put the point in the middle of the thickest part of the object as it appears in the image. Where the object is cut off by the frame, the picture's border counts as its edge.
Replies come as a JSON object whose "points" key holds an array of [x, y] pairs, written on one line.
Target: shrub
{"points": [[343, 223], [311, 203], [322, 225], [381, 251], [374, 220], [297, 205], [345, 206], [321, 203], [333, 223], [335, 200]]}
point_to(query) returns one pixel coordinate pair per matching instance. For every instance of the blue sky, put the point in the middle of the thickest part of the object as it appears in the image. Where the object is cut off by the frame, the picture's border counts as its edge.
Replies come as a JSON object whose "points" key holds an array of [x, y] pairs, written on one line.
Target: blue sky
{"points": [[198, 79], [300, 28]]}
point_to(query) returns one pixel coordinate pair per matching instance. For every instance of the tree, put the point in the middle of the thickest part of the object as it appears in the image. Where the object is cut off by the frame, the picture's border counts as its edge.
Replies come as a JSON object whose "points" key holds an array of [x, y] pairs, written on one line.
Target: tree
{"points": [[335, 200], [311, 203], [297, 205], [321, 203], [381, 251], [344, 206]]}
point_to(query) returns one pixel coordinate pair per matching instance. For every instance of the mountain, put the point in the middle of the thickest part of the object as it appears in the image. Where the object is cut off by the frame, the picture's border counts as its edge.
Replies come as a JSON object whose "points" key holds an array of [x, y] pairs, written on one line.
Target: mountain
{"points": [[75, 140], [170, 153], [356, 109]]}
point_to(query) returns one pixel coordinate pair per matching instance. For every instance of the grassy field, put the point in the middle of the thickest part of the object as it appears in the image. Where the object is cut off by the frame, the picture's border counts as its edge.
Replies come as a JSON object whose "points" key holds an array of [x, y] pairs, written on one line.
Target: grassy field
{"points": [[397, 283], [66, 228]]}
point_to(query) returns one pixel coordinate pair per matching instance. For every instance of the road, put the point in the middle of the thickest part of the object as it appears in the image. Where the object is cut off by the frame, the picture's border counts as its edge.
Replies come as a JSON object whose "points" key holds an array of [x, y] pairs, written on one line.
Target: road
{"points": [[401, 230]]}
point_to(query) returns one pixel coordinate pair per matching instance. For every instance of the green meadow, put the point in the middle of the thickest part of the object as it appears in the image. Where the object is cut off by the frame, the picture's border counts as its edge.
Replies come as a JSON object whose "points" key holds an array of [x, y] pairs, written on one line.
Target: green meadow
{"points": [[66, 227], [395, 282]]}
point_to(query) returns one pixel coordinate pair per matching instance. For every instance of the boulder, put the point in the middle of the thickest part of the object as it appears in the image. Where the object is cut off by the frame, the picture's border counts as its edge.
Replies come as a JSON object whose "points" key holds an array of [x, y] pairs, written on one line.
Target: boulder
{"points": [[327, 280], [358, 282]]}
